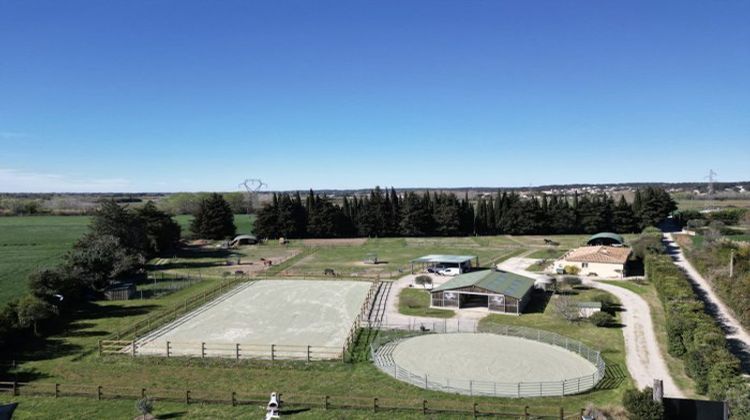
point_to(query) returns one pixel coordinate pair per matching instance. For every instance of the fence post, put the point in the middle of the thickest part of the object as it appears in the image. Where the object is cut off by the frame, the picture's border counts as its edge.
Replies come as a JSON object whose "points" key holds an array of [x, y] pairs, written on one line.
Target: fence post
{"points": [[132, 347], [375, 405], [237, 351], [143, 392], [425, 381], [273, 350], [99, 393], [234, 399], [424, 407], [562, 413], [57, 390], [471, 388], [100, 348], [187, 397], [203, 350], [167, 348], [519, 389], [308, 353], [526, 412]]}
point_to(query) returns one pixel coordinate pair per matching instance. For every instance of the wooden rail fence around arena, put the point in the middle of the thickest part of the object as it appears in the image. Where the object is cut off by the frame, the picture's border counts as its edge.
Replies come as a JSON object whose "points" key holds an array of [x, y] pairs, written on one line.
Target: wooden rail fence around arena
{"points": [[325, 402], [170, 314], [223, 350], [126, 341]]}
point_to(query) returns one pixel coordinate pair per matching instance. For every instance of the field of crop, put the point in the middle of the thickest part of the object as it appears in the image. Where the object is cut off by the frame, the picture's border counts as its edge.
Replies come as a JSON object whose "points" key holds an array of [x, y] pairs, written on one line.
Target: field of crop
{"points": [[29, 243], [703, 204]]}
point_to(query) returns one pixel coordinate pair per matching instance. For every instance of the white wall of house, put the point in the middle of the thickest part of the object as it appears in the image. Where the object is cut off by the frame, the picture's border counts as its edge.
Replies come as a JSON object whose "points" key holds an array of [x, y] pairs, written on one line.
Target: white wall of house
{"points": [[587, 269]]}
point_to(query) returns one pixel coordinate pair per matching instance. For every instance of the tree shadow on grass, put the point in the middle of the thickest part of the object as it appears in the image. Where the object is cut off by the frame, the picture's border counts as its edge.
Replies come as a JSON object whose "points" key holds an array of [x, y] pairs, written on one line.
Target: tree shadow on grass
{"points": [[173, 415]]}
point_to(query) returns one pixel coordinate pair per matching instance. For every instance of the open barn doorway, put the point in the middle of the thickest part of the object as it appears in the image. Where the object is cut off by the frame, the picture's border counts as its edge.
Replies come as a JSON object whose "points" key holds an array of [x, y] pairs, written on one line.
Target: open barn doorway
{"points": [[468, 300]]}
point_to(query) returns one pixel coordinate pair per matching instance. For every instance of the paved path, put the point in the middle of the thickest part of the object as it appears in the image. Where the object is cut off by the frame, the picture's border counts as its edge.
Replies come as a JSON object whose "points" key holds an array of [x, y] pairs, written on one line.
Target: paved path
{"points": [[642, 356], [737, 336], [464, 320]]}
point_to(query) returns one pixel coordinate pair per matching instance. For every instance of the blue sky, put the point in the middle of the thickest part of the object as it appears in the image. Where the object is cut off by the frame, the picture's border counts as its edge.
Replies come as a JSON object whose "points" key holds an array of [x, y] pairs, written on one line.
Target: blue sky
{"points": [[187, 96]]}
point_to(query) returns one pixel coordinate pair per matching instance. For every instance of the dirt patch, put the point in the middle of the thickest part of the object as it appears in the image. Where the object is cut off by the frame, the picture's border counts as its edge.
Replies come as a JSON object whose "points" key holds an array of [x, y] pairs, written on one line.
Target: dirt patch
{"points": [[256, 265], [334, 242]]}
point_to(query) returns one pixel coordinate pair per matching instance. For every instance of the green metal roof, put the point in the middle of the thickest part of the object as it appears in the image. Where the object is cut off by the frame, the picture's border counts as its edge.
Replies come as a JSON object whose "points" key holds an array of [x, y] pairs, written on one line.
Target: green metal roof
{"points": [[607, 235], [437, 258], [502, 282]]}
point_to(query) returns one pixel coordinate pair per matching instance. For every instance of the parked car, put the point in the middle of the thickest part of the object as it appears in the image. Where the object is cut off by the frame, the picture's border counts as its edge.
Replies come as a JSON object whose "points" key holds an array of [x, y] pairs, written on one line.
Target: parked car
{"points": [[435, 268], [451, 271]]}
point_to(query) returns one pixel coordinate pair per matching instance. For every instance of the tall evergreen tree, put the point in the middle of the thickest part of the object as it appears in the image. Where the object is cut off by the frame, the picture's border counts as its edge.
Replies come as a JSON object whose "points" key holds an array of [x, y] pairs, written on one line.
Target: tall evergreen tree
{"points": [[214, 219]]}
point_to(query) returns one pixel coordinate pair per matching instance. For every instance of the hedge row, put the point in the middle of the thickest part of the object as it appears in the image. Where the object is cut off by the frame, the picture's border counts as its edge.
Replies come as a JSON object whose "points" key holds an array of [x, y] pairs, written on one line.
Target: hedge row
{"points": [[693, 335]]}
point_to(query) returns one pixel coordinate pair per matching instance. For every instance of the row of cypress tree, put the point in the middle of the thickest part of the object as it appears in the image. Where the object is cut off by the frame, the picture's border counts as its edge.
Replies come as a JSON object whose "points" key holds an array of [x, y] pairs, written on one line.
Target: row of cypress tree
{"points": [[386, 213]]}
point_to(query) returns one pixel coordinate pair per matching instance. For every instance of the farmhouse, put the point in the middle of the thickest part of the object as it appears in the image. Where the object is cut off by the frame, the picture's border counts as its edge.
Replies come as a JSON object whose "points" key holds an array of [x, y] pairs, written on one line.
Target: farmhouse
{"points": [[599, 260], [498, 291], [462, 262]]}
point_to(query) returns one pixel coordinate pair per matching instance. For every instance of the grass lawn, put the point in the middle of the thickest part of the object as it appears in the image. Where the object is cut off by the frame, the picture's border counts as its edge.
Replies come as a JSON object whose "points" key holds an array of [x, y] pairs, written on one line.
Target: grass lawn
{"points": [[676, 366], [394, 254], [416, 302], [31, 242]]}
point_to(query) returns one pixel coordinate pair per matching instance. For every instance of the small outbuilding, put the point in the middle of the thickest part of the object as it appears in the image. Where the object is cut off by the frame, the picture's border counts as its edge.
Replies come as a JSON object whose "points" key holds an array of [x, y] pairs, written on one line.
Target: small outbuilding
{"points": [[606, 238], [497, 290], [462, 262], [586, 309], [243, 240]]}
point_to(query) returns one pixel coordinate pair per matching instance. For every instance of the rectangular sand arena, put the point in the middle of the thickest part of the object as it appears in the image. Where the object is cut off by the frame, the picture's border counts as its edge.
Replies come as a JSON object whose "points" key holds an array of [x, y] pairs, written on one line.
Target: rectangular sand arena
{"points": [[289, 314]]}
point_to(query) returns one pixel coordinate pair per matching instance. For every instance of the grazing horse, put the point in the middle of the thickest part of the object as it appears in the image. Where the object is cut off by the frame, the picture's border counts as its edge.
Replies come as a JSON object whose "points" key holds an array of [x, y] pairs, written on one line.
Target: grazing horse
{"points": [[329, 272]]}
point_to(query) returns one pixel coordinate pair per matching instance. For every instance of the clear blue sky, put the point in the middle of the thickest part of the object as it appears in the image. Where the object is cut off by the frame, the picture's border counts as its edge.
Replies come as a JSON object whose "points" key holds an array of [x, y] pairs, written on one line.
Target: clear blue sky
{"points": [[185, 96]]}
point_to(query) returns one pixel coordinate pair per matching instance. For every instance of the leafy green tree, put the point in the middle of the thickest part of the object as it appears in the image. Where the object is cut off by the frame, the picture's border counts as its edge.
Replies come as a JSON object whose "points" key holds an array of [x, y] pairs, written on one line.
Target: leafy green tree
{"points": [[49, 284], [601, 319], [162, 232], [96, 261], [423, 280], [32, 310], [640, 405], [213, 219], [111, 219]]}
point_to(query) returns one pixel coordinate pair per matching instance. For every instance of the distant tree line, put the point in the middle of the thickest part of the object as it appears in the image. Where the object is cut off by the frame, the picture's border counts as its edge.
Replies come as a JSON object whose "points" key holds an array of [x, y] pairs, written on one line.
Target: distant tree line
{"points": [[116, 248], [386, 213]]}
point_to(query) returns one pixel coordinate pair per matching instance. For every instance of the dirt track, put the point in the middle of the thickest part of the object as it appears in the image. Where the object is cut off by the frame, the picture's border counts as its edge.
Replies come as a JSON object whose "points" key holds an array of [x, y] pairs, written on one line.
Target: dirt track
{"points": [[643, 358]]}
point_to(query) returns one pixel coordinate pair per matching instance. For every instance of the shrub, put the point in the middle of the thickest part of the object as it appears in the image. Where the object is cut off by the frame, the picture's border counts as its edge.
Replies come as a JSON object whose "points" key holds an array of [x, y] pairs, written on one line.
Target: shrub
{"points": [[572, 269], [423, 280], [641, 405], [601, 319]]}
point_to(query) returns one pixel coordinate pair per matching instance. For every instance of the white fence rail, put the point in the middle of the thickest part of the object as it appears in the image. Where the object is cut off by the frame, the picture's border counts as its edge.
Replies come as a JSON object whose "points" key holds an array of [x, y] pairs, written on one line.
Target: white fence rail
{"points": [[381, 356]]}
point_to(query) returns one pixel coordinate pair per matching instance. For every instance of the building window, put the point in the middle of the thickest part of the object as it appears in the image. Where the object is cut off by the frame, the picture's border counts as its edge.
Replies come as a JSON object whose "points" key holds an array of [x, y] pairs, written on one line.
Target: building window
{"points": [[584, 265]]}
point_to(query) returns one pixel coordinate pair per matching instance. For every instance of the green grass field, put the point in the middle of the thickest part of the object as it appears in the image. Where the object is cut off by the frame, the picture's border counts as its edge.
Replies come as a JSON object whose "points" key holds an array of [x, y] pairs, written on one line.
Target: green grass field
{"points": [[29, 243], [703, 204], [416, 302]]}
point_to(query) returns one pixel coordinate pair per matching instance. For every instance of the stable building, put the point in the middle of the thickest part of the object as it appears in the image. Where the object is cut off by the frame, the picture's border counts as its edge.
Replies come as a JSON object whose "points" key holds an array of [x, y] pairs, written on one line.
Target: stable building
{"points": [[496, 290], [462, 262], [600, 261]]}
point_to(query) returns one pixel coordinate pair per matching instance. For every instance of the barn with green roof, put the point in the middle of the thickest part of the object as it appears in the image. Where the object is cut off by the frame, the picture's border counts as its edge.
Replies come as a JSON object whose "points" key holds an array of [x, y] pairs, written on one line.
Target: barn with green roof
{"points": [[497, 290]]}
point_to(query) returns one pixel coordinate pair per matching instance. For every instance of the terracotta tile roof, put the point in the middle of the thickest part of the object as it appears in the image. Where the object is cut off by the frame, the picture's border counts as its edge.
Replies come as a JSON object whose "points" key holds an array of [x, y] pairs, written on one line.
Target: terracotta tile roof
{"points": [[599, 254]]}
